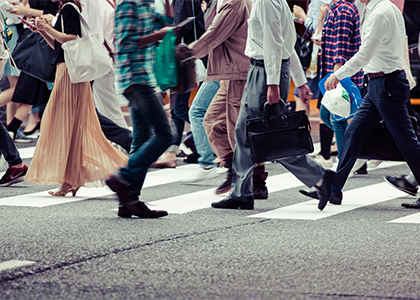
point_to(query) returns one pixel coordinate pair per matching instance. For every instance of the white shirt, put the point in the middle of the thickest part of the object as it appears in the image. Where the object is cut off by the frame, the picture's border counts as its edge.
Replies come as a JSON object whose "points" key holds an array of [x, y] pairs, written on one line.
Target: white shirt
{"points": [[383, 36], [108, 22], [271, 35]]}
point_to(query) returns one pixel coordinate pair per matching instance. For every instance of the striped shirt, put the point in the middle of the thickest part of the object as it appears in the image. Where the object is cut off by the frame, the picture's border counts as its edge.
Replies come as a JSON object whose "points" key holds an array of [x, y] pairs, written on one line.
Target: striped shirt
{"points": [[133, 19], [340, 38]]}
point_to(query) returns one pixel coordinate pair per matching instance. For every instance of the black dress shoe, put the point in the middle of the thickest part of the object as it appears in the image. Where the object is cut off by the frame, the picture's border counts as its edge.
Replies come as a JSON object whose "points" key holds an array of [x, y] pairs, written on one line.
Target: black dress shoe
{"points": [[140, 210], [402, 184], [415, 204], [335, 198], [229, 203], [324, 191]]}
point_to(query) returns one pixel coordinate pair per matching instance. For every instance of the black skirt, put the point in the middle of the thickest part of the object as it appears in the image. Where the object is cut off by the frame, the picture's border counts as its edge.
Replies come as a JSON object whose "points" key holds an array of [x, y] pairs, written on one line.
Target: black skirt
{"points": [[30, 90]]}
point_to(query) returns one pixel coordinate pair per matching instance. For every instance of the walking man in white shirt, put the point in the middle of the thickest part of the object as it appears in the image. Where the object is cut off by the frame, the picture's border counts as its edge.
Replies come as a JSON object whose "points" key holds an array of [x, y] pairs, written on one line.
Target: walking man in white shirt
{"points": [[381, 57], [270, 42]]}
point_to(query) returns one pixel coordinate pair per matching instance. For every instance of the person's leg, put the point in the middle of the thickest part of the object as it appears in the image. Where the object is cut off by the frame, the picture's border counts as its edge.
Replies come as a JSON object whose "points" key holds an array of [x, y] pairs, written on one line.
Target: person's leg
{"points": [[20, 115], [6, 95], [365, 119], [392, 93], [105, 98], [339, 127], [17, 170], [115, 133], [147, 115], [198, 109], [33, 121], [202, 100]]}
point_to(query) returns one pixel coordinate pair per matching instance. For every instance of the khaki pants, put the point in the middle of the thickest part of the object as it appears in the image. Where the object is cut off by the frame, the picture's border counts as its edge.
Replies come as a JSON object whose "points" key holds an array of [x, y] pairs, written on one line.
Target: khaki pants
{"points": [[220, 119]]}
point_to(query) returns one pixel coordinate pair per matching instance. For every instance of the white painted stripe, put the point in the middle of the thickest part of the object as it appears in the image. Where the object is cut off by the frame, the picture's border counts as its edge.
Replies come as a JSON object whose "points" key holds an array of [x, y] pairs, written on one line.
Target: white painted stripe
{"points": [[352, 199], [10, 264], [26, 152], [199, 200], [414, 218], [42, 199]]}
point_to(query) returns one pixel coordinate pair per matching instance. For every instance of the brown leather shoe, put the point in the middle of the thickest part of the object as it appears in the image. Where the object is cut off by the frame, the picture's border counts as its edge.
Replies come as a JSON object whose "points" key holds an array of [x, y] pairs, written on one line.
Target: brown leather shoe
{"points": [[164, 164], [140, 210]]}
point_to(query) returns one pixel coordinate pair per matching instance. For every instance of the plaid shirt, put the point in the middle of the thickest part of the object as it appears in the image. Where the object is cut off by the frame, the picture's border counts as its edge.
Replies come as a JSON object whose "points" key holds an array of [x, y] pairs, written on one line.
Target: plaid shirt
{"points": [[133, 19], [340, 38]]}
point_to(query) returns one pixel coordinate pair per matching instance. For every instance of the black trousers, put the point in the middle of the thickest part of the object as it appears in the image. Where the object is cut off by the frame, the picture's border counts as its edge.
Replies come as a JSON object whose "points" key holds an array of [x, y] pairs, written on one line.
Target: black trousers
{"points": [[115, 133]]}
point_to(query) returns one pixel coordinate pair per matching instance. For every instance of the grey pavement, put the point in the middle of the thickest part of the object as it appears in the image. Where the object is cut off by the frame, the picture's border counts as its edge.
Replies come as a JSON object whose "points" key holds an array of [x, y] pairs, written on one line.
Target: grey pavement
{"points": [[82, 250]]}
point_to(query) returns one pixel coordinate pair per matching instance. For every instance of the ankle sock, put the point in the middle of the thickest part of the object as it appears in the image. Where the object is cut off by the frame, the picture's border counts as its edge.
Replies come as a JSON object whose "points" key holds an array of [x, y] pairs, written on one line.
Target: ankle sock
{"points": [[259, 170], [326, 137], [14, 125]]}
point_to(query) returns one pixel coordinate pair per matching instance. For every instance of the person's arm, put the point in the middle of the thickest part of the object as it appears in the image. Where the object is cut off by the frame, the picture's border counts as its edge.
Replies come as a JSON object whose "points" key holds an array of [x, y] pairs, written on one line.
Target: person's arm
{"points": [[25, 10], [224, 25], [299, 78], [50, 34], [344, 28]]}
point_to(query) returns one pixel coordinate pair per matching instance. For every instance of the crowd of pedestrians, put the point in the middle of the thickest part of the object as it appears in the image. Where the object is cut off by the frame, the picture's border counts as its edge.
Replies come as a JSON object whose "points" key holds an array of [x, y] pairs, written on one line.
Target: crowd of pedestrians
{"points": [[248, 48]]}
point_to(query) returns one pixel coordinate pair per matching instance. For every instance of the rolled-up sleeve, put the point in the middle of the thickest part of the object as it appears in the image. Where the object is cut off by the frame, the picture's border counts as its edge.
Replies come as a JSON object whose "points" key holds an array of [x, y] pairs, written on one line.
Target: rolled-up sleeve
{"points": [[128, 20], [273, 42]]}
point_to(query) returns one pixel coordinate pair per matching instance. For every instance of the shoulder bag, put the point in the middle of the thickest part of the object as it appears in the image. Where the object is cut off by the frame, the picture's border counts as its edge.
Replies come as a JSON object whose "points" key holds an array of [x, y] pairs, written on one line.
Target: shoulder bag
{"points": [[281, 135], [86, 57], [34, 56]]}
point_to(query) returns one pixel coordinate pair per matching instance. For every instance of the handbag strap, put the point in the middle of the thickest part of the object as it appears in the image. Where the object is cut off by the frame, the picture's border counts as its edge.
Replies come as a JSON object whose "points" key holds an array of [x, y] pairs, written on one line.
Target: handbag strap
{"points": [[195, 30], [83, 22]]}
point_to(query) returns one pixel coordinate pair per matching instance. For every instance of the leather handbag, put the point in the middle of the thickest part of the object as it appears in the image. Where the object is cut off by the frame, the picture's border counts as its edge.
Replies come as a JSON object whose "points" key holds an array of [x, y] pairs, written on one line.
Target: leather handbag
{"points": [[380, 144], [34, 56], [303, 48], [86, 58], [186, 69], [279, 135]]}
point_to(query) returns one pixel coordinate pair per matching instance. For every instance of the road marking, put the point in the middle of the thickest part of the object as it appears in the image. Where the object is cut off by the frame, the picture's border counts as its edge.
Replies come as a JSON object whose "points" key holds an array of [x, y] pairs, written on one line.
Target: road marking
{"points": [[10, 264], [42, 199], [352, 199], [199, 200], [414, 218]]}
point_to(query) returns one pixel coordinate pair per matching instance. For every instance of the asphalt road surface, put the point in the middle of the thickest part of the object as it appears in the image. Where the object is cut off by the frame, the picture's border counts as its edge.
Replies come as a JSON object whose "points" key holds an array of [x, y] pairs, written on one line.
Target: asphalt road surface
{"points": [[77, 248]]}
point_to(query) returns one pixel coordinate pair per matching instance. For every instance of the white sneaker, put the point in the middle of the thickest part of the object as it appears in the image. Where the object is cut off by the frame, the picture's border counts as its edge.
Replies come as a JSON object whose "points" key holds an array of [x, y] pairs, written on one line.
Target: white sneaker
{"points": [[200, 174], [326, 163]]}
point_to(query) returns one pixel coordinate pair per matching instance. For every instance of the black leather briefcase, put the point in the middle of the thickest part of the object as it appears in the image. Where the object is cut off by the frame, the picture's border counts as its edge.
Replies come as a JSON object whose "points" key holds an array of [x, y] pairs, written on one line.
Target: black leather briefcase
{"points": [[381, 145], [280, 135]]}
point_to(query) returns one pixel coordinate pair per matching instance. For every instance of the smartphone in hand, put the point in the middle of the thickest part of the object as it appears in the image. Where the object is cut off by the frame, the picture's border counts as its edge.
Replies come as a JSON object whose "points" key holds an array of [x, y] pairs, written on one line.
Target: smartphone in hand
{"points": [[27, 23]]}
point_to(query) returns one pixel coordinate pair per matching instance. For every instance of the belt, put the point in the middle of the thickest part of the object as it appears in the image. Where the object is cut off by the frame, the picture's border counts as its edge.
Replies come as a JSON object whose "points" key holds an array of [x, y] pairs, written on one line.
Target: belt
{"points": [[260, 62], [381, 74]]}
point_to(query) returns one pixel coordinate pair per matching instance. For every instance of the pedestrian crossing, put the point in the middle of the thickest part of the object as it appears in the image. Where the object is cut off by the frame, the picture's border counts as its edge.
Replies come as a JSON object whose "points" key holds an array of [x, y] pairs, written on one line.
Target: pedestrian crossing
{"points": [[191, 202]]}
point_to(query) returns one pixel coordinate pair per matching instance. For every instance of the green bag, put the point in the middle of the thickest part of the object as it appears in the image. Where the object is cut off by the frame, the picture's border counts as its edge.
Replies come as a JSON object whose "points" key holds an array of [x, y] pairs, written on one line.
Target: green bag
{"points": [[166, 64]]}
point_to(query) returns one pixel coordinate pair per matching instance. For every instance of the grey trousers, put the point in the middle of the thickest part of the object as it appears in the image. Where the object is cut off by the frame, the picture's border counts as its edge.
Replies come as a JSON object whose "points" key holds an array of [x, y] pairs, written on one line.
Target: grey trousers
{"points": [[303, 167]]}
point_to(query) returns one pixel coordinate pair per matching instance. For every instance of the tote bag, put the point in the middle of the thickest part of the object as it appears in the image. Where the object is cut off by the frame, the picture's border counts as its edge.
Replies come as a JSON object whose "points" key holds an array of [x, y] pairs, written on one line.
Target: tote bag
{"points": [[166, 65], [86, 57]]}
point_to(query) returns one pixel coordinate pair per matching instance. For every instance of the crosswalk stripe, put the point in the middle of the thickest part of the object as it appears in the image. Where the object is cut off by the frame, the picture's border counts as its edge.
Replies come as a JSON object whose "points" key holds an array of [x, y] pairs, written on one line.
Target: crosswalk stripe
{"points": [[352, 199], [414, 218], [42, 199], [10, 264]]}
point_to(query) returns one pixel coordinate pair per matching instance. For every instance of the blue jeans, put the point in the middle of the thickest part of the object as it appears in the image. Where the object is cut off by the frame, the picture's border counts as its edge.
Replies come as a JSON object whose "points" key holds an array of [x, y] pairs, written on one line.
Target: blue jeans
{"points": [[8, 148], [179, 117], [198, 109], [386, 99], [151, 135], [338, 127]]}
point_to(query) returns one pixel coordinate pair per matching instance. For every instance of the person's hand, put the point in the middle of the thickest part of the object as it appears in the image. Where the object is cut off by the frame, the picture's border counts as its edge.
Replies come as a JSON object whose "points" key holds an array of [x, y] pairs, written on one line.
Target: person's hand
{"points": [[162, 32], [42, 24], [273, 94], [20, 10], [299, 13], [317, 42], [305, 94], [49, 18], [203, 6], [323, 10], [331, 83]]}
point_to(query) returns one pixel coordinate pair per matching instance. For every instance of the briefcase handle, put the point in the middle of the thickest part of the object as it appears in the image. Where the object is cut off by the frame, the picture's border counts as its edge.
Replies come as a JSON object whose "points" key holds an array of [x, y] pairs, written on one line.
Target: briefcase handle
{"points": [[266, 109]]}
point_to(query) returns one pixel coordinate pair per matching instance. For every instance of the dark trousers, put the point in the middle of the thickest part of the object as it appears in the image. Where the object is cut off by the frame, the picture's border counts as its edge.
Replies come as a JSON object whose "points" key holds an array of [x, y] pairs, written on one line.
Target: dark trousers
{"points": [[254, 96], [179, 117], [115, 133], [386, 99], [8, 147]]}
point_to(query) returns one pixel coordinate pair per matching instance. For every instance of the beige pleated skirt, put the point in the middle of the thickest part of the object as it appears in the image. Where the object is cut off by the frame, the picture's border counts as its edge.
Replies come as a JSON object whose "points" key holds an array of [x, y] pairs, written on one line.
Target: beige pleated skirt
{"points": [[72, 147]]}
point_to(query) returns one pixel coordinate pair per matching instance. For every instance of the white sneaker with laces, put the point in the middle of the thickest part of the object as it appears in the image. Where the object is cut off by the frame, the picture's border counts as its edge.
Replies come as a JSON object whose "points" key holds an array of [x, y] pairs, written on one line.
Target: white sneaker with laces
{"points": [[201, 173]]}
